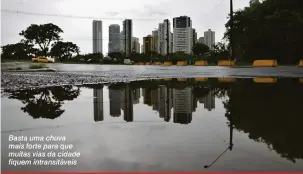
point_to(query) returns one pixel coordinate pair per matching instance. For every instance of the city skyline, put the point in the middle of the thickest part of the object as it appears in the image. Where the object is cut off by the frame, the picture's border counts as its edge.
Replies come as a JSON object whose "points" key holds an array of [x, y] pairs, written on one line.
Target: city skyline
{"points": [[205, 15]]}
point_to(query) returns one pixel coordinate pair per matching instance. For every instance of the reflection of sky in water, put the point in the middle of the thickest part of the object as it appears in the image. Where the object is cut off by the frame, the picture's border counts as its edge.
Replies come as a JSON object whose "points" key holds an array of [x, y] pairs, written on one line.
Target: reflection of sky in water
{"points": [[150, 143]]}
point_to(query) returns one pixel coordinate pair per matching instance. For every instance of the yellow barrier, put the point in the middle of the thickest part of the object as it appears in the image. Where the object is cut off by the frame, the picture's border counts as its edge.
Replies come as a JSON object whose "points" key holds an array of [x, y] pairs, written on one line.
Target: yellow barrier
{"points": [[148, 63], [137, 64], [201, 79], [168, 63], [301, 63], [201, 63], [265, 63], [181, 63], [265, 80], [226, 79], [168, 79], [182, 79], [157, 63], [226, 63], [301, 80]]}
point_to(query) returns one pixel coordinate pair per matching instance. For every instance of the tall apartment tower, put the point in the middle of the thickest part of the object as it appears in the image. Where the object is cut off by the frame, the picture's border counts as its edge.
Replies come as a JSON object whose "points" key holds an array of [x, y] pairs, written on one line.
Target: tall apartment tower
{"points": [[209, 38], [155, 36], [182, 32], [126, 37], [135, 45], [97, 37], [194, 36], [149, 44], [114, 38], [163, 29]]}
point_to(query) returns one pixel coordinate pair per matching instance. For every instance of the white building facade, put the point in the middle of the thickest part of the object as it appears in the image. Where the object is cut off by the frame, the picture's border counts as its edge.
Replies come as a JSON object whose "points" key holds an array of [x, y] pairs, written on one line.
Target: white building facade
{"points": [[209, 38], [182, 34], [97, 37]]}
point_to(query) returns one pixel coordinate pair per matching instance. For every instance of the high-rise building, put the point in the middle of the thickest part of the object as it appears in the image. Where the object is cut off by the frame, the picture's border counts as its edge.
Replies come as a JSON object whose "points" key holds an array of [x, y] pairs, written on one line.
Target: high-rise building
{"points": [[183, 105], [115, 102], [97, 37], [149, 44], [114, 38], [155, 36], [135, 45], [182, 29], [209, 38], [142, 48], [171, 42], [194, 36], [126, 37], [98, 105], [201, 40], [164, 37]]}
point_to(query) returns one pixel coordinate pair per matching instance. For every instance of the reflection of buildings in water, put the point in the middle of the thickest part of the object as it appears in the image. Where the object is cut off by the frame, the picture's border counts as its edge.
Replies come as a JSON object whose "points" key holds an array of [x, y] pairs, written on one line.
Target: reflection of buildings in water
{"points": [[154, 99], [208, 101], [195, 103], [115, 102], [147, 96], [122, 98], [128, 104], [136, 96], [98, 105], [183, 105], [165, 103]]}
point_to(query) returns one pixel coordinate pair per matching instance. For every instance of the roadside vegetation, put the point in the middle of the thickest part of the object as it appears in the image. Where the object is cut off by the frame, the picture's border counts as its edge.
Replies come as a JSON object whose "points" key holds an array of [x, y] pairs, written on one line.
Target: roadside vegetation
{"points": [[271, 29]]}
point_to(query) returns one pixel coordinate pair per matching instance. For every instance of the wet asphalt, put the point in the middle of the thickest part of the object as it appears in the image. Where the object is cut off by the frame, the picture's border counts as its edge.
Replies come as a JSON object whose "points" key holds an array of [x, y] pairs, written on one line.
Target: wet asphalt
{"points": [[77, 74]]}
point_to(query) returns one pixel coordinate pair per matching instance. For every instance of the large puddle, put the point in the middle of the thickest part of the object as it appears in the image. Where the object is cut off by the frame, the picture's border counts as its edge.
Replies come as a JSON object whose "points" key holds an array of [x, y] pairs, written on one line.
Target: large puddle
{"points": [[198, 124]]}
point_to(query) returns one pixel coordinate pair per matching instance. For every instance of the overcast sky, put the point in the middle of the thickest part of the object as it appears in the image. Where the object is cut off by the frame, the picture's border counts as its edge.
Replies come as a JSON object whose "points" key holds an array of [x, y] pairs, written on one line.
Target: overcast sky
{"points": [[146, 15]]}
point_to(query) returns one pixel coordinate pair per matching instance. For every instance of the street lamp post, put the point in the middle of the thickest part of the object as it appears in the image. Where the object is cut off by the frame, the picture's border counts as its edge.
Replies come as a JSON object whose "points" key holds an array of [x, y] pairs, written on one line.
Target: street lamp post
{"points": [[231, 30]]}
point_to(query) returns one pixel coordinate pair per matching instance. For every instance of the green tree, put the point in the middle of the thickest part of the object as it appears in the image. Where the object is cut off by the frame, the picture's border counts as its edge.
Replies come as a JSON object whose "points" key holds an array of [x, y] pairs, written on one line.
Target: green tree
{"points": [[200, 49], [18, 51], [64, 50], [269, 30], [220, 52], [94, 57], [42, 35]]}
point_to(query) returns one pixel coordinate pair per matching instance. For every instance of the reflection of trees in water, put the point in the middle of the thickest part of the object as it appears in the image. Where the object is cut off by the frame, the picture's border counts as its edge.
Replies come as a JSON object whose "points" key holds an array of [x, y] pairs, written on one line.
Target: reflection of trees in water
{"points": [[45, 102], [269, 113]]}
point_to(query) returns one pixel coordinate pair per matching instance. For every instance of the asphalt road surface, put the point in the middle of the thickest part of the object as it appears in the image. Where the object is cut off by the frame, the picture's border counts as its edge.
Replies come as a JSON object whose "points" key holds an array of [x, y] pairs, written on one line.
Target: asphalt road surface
{"points": [[91, 74], [176, 71]]}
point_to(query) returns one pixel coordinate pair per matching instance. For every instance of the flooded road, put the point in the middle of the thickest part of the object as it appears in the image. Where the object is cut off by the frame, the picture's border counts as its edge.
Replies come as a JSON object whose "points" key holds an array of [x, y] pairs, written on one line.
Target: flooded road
{"points": [[182, 124]]}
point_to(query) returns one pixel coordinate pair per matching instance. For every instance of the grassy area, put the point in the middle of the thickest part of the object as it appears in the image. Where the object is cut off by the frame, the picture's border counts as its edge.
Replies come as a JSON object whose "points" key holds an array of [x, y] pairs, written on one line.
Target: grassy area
{"points": [[37, 66]]}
